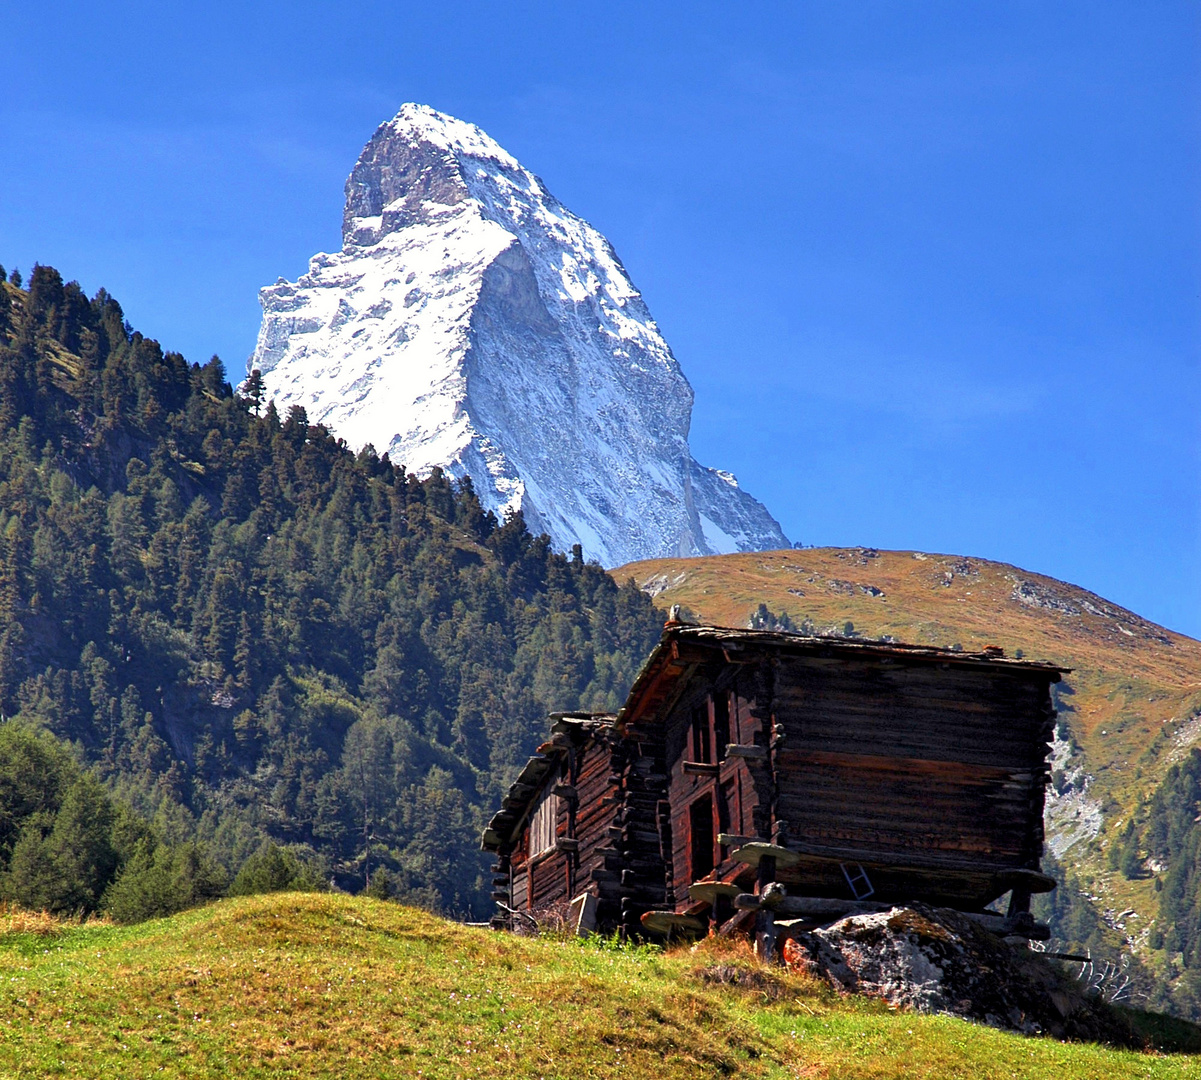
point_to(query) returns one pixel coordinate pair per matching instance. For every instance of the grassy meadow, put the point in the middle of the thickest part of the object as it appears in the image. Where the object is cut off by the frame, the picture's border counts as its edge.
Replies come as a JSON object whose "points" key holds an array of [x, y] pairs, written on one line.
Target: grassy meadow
{"points": [[316, 985]]}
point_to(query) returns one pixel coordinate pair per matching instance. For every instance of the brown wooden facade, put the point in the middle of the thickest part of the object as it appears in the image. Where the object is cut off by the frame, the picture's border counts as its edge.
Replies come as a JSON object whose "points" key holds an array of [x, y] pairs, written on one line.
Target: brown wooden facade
{"points": [[897, 772], [587, 781]]}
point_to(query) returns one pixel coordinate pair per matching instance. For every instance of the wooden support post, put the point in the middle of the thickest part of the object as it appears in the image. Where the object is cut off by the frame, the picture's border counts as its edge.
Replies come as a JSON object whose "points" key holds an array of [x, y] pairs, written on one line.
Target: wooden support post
{"points": [[765, 919], [1019, 902], [719, 912]]}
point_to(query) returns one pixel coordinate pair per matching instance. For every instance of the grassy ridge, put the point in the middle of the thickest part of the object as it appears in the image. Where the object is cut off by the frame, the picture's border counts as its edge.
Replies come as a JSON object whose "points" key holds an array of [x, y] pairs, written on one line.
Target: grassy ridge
{"points": [[328, 985]]}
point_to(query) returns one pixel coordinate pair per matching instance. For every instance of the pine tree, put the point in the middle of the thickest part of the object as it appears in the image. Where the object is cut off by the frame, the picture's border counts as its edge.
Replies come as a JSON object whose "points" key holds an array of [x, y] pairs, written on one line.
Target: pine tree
{"points": [[254, 390]]}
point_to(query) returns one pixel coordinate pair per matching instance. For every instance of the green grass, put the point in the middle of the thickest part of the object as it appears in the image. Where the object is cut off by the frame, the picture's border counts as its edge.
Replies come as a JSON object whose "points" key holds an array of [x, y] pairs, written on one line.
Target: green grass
{"points": [[311, 985]]}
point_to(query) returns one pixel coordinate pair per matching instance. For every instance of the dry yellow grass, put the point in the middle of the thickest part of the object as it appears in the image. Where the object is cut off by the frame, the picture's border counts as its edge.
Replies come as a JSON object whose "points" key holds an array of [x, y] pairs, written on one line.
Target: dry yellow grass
{"points": [[1130, 677], [18, 920]]}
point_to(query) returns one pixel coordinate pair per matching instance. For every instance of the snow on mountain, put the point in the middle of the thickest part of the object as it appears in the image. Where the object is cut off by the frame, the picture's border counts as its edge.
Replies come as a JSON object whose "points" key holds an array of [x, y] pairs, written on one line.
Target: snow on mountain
{"points": [[471, 322]]}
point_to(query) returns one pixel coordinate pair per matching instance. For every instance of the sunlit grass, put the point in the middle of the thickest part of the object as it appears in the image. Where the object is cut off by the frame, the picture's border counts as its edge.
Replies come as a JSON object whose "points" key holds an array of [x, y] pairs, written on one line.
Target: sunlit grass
{"points": [[317, 985]]}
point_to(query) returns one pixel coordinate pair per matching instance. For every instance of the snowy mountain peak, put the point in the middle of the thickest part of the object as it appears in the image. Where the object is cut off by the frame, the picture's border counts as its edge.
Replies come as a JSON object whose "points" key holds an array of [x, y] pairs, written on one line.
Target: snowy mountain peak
{"points": [[421, 123], [412, 167], [472, 322]]}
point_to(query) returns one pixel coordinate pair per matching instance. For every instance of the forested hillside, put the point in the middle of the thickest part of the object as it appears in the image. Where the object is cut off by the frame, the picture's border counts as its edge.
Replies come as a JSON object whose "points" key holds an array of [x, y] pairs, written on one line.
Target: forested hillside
{"points": [[1162, 843], [252, 633]]}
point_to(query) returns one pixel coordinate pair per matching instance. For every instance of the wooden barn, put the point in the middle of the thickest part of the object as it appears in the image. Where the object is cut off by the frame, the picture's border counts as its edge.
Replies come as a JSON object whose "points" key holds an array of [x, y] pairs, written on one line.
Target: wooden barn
{"points": [[753, 776], [559, 834]]}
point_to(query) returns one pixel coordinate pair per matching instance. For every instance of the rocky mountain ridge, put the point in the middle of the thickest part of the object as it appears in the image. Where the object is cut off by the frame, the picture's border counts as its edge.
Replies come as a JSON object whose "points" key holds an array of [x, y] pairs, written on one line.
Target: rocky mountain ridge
{"points": [[473, 323]]}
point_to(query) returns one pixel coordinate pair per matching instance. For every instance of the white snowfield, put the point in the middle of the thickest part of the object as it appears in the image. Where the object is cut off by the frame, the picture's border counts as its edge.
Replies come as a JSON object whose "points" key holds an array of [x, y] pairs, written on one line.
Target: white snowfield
{"points": [[471, 322]]}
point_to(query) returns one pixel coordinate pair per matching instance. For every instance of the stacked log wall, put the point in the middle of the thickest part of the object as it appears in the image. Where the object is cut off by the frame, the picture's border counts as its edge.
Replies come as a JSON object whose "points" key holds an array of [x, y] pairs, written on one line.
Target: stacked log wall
{"points": [[904, 760], [930, 771], [640, 850], [599, 815], [540, 881], [593, 845]]}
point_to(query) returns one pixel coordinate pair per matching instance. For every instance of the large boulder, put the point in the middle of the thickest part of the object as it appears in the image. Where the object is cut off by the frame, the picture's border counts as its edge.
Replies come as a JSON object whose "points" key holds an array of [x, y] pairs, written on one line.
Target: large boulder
{"points": [[938, 960]]}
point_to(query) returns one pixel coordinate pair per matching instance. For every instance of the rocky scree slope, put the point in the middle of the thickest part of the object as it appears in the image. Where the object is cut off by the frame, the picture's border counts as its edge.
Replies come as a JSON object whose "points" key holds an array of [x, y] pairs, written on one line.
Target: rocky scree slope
{"points": [[472, 322]]}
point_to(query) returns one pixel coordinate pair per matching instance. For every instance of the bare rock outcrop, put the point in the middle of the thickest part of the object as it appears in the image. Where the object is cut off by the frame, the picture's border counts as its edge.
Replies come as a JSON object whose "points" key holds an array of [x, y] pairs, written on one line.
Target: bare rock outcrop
{"points": [[937, 960]]}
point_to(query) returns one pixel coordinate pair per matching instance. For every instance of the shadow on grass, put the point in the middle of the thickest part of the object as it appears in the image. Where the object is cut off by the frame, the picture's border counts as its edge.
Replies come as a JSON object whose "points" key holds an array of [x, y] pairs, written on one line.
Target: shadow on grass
{"points": [[1167, 1034]]}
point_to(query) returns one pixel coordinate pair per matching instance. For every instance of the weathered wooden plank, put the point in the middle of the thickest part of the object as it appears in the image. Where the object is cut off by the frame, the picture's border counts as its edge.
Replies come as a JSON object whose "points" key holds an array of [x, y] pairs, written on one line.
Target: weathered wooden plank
{"points": [[956, 771], [895, 798], [748, 752]]}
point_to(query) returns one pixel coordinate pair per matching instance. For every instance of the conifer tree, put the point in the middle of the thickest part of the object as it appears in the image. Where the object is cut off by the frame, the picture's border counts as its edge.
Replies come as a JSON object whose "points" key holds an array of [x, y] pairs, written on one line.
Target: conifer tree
{"points": [[254, 390]]}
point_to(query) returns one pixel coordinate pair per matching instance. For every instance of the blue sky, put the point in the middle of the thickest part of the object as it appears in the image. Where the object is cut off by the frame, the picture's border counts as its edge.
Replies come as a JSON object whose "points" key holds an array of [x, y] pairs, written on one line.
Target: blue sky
{"points": [[931, 268]]}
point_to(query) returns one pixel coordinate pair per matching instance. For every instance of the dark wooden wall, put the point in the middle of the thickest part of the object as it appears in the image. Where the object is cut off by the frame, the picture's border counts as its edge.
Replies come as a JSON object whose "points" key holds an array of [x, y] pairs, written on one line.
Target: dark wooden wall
{"points": [[607, 824], [642, 831], [906, 761], [919, 771], [926, 773], [544, 881]]}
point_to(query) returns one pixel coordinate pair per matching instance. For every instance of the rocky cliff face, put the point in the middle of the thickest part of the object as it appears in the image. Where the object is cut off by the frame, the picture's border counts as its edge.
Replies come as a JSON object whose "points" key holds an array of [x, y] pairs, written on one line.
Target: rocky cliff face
{"points": [[471, 322]]}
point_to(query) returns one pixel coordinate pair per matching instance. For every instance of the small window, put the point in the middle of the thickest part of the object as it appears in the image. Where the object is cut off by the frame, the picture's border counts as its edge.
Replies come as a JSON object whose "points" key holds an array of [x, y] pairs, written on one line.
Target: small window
{"points": [[700, 825], [700, 735], [542, 823], [721, 723]]}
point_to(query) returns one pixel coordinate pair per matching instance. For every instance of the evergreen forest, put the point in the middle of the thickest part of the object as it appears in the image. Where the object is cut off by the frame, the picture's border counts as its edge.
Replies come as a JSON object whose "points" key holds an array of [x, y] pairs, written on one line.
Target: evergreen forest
{"points": [[246, 654], [1162, 841]]}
